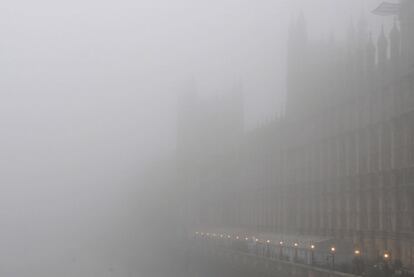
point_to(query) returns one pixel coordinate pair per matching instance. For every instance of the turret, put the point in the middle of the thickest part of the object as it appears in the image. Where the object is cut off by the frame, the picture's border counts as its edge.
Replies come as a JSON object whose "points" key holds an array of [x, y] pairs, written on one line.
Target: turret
{"points": [[296, 63], [186, 115], [238, 106], [360, 62], [351, 59], [382, 53], [350, 38], [407, 23], [395, 44], [370, 55], [362, 32], [301, 30]]}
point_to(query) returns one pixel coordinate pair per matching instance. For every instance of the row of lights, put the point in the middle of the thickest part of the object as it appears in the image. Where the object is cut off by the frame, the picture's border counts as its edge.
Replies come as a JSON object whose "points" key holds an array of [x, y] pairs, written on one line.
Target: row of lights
{"points": [[312, 246], [357, 252]]}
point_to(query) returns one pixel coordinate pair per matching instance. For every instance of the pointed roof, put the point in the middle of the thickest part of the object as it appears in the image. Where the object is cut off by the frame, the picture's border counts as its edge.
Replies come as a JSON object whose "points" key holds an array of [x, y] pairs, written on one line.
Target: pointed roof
{"points": [[382, 39], [301, 29], [370, 43], [395, 31]]}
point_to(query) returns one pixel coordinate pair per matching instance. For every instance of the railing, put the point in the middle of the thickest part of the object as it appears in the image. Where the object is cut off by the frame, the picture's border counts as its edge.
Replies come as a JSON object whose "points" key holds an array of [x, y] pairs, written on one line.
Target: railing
{"points": [[260, 262], [287, 260]]}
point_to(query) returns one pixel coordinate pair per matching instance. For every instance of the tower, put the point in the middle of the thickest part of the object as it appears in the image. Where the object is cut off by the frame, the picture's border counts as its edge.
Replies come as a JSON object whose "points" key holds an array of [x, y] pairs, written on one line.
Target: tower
{"points": [[395, 45], [370, 55], [186, 118], [407, 34], [296, 65], [382, 53]]}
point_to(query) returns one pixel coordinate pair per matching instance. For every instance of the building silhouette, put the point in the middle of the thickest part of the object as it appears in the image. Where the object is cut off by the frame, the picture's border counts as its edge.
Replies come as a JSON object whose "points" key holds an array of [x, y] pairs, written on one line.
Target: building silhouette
{"points": [[338, 163]]}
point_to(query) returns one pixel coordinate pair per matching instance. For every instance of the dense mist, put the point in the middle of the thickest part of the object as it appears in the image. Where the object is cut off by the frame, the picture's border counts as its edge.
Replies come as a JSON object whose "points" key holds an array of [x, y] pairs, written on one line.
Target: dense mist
{"points": [[88, 109]]}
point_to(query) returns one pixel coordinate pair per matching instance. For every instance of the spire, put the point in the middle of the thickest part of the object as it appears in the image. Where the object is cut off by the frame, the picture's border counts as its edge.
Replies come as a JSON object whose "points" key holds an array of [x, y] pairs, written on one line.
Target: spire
{"points": [[362, 30], [351, 37], [331, 38], [370, 43], [188, 95], [406, 20], [291, 30], [296, 64], [395, 42], [370, 53], [382, 46], [301, 28], [238, 102]]}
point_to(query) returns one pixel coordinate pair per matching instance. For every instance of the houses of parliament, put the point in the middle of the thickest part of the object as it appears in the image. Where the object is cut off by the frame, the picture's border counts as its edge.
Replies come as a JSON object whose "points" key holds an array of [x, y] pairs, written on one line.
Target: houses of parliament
{"points": [[339, 161]]}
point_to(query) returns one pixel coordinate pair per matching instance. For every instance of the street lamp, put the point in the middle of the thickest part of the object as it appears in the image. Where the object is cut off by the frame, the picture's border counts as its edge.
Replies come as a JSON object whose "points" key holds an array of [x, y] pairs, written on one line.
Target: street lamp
{"points": [[358, 263], [333, 250], [267, 248], [312, 247], [280, 250], [387, 257], [296, 251], [256, 240]]}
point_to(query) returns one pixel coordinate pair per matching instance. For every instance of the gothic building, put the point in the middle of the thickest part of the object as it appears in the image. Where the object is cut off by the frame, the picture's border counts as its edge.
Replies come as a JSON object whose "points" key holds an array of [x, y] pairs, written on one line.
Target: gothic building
{"points": [[339, 163]]}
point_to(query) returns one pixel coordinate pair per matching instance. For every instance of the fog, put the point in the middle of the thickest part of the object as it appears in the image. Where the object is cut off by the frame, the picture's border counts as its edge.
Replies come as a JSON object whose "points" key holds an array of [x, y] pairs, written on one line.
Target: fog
{"points": [[88, 111]]}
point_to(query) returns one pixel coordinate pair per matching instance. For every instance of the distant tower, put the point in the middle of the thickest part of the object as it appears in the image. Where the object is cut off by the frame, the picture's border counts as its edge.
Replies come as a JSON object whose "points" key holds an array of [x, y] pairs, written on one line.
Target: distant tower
{"points": [[297, 66], [407, 30], [382, 53], [186, 118], [351, 39], [302, 35], [361, 42], [238, 113], [362, 31], [395, 45], [370, 55]]}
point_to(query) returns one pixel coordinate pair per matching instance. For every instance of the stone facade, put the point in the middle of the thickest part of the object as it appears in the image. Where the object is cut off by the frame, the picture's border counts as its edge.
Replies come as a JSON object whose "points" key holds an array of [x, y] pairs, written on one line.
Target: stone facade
{"points": [[338, 163]]}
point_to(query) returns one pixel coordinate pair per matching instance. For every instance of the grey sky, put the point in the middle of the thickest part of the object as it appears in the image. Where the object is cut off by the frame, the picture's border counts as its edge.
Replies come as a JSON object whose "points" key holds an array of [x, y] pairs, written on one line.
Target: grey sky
{"points": [[88, 91]]}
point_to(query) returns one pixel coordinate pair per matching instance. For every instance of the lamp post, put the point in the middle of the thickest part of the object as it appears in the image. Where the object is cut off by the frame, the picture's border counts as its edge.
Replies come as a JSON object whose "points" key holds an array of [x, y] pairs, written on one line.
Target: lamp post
{"points": [[296, 252], [312, 249], [357, 263], [268, 248], [333, 250], [386, 257], [280, 250]]}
